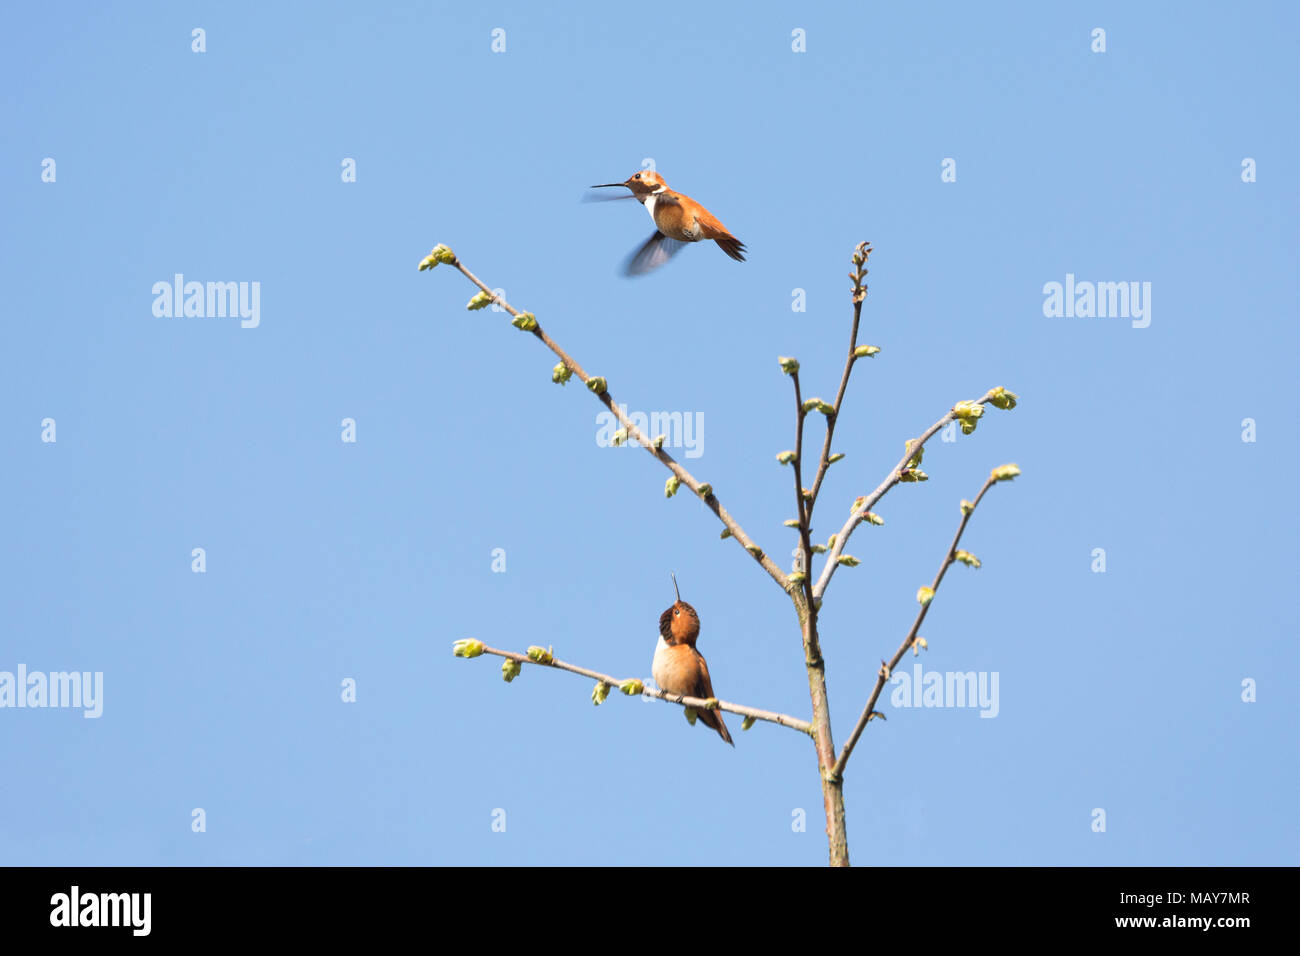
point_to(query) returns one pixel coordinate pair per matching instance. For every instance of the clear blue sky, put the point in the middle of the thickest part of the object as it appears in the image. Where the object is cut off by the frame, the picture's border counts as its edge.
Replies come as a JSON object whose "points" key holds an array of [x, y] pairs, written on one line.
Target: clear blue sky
{"points": [[329, 560]]}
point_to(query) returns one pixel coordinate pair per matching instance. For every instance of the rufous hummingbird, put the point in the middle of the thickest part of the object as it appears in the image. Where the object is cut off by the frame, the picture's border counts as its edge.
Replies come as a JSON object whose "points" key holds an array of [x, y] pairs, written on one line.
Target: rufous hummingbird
{"points": [[678, 667], [678, 219]]}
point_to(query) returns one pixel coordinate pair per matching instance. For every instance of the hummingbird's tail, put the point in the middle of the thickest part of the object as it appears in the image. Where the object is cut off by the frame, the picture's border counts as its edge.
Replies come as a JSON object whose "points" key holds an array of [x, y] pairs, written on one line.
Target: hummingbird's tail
{"points": [[710, 228], [713, 718], [731, 246]]}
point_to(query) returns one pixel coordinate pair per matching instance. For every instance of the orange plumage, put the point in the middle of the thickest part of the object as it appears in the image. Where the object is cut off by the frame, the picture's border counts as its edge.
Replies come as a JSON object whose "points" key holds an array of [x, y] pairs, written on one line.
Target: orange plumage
{"points": [[679, 668], [678, 219]]}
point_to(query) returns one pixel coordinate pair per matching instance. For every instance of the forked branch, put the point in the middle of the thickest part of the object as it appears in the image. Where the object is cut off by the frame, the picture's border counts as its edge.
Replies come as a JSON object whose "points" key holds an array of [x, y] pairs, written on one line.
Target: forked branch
{"points": [[1005, 473], [899, 473]]}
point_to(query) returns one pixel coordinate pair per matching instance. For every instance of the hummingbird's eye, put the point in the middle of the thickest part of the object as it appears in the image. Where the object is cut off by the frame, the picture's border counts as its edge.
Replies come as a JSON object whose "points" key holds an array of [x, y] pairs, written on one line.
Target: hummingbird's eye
{"points": [[637, 176]]}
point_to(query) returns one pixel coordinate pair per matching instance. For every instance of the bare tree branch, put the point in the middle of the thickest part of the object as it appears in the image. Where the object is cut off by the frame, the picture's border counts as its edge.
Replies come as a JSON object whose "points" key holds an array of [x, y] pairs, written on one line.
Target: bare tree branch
{"points": [[887, 669], [805, 606], [601, 390], [637, 686], [895, 476], [860, 256], [802, 504]]}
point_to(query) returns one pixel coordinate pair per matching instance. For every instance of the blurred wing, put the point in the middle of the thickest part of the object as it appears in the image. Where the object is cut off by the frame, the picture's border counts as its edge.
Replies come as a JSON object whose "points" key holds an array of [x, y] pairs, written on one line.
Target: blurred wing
{"points": [[605, 197], [657, 250]]}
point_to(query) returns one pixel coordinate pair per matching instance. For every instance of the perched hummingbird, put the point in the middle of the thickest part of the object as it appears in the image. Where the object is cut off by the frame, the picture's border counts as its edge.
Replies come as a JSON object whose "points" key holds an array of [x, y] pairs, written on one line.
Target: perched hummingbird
{"points": [[678, 667], [678, 219]]}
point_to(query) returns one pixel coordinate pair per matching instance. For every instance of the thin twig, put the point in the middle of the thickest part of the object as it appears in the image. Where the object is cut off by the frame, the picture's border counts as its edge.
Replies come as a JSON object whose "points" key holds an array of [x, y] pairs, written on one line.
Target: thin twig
{"points": [[635, 434], [803, 507], [859, 295], [886, 671], [695, 703], [895, 476]]}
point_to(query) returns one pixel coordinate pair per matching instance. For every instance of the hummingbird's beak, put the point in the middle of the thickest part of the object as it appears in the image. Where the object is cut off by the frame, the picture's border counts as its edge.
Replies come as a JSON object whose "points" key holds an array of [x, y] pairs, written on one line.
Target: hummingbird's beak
{"points": [[606, 185], [679, 593]]}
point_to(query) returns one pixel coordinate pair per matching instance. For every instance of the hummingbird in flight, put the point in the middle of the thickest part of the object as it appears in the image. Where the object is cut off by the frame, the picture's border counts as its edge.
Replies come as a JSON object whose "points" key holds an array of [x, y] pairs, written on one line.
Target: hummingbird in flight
{"points": [[678, 667], [678, 219]]}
